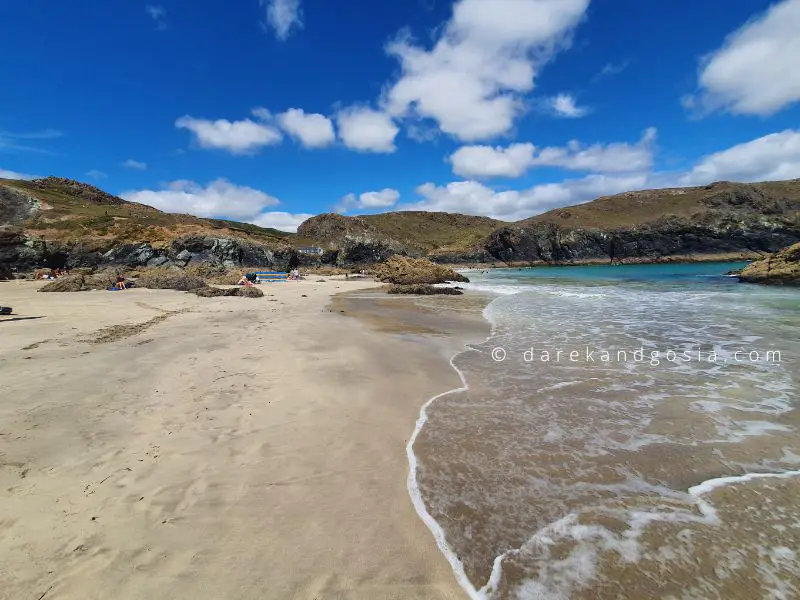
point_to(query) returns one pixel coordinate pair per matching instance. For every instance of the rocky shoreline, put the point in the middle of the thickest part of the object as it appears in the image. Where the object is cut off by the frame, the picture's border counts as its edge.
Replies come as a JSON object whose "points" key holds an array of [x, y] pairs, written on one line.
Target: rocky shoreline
{"points": [[20, 254], [56, 223], [781, 268]]}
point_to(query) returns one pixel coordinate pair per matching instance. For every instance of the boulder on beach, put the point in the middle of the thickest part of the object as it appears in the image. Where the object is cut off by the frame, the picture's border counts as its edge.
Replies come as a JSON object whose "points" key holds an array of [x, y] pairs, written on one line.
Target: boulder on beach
{"points": [[781, 268], [403, 270], [170, 279], [423, 289], [241, 291], [81, 282], [249, 292]]}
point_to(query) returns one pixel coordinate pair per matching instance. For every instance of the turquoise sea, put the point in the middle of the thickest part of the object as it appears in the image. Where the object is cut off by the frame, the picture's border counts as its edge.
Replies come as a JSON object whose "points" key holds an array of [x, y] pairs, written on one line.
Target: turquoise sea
{"points": [[624, 432]]}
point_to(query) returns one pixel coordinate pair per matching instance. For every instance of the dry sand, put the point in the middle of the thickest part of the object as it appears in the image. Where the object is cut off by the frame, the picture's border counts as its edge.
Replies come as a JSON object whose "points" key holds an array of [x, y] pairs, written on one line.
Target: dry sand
{"points": [[154, 444]]}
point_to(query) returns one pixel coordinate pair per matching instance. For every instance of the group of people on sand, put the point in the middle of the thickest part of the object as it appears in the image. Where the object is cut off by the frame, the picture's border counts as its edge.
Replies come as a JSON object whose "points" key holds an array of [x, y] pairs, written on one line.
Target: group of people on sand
{"points": [[53, 274]]}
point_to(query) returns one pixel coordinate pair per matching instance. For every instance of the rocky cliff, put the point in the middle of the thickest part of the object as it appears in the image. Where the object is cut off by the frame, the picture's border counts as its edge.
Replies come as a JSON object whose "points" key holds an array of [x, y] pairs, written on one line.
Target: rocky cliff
{"points": [[374, 238], [716, 220], [57, 222], [19, 253]]}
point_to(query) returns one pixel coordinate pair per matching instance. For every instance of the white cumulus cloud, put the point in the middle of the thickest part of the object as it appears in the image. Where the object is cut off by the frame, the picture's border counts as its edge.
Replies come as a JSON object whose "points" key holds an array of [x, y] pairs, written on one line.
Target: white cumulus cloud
{"points": [[237, 137], [565, 106], [773, 157], [366, 130], [516, 159], [474, 198], [493, 161], [601, 158], [283, 16], [473, 80], [311, 129], [219, 199], [283, 221], [756, 69], [384, 198], [381, 199]]}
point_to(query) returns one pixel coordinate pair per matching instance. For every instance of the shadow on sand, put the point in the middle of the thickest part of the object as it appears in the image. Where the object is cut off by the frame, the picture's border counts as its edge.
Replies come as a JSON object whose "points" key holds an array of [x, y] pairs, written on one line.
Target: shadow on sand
{"points": [[10, 318]]}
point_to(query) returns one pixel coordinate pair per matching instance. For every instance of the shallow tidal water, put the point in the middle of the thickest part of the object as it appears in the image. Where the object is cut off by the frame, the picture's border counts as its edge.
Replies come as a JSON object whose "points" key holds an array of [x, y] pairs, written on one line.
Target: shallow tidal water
{"points": [[625, 432]]}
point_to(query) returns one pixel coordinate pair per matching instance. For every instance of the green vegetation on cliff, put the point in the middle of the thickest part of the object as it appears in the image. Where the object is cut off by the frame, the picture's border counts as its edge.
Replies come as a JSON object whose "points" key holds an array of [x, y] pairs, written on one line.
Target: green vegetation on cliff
{"points": [[631, 209], [53, 221], [66, 210], [416, 232]]}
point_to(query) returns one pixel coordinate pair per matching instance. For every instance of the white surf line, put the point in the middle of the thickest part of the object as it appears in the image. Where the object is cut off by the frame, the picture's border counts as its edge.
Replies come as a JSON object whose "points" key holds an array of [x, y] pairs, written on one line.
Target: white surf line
{"points": [[419, 504], [711, 484], [708, 510]]}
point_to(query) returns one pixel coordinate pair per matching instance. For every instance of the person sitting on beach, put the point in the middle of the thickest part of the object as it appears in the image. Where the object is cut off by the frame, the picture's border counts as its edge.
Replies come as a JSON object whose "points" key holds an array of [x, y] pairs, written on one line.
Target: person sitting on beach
{"points": [[247, 279], [120, 284]]}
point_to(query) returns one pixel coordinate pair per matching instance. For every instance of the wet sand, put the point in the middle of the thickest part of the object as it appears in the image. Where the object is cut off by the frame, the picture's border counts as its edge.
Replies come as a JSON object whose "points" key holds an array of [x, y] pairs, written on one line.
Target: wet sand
{"points": [[154, 444]]}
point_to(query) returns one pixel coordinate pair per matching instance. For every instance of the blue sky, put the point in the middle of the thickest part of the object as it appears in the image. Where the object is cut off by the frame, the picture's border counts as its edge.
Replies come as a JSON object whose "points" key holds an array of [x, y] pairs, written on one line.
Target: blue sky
{"points": [[271, 110]]}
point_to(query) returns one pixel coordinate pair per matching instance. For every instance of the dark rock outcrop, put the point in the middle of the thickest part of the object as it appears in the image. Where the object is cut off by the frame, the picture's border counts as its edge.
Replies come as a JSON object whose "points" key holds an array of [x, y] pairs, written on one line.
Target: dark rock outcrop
{"points": [[362, 250], [20, 253], [545, 242], [350, 241], [16, 206], [423, 289], [736, 219], [781, 268]]}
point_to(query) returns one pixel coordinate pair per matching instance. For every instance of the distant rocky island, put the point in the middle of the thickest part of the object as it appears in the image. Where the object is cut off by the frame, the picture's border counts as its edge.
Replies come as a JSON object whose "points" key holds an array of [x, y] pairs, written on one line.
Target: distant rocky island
{"points": [[57, 222]]}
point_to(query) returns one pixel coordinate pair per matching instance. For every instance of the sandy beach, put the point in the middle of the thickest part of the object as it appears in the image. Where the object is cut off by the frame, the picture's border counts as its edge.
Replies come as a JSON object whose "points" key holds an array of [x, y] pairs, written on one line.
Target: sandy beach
{"points": [[154, 444]]}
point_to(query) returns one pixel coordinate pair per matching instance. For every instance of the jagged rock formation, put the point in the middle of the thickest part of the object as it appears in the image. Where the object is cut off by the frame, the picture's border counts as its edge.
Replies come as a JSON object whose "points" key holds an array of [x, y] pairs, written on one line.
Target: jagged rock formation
{"points": [[781, 268], [29, 253]]}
